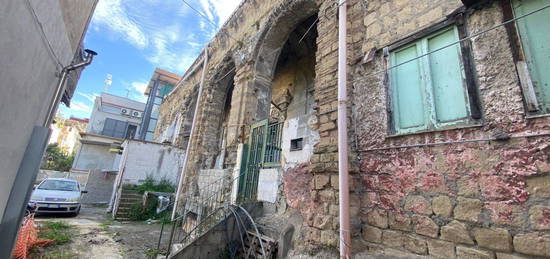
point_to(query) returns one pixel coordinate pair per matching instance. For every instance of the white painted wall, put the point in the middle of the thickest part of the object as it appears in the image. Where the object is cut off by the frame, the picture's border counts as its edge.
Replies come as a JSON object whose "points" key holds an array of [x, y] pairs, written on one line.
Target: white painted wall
{"points": [[95, 157], [150, 159]]}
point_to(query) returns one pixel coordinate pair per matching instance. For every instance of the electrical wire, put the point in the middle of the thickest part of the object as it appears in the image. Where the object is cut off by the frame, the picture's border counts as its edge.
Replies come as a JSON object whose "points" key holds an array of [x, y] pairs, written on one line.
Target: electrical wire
{"points": [[454, 43]]}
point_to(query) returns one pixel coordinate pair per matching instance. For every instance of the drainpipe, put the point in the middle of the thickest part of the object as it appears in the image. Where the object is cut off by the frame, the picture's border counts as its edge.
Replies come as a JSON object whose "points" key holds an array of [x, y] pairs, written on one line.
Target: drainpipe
{"points": [[192, 134], [345, 237], [60, 89]]}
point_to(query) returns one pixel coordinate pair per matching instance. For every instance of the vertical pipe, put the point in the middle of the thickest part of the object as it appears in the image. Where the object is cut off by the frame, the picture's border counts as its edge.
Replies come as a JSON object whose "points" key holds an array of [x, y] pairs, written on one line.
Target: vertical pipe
{"points": [[345, 237], [191, 135]]}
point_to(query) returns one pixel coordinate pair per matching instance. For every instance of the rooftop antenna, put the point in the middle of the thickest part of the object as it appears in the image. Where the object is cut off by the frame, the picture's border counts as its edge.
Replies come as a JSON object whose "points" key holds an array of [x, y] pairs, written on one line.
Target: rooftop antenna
{"points": [[107, 83], [128, 89]]}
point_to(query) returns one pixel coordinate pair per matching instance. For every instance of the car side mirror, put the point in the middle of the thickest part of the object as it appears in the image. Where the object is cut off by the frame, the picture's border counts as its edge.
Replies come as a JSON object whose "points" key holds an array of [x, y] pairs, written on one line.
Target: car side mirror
{"points": [[84, 191]]}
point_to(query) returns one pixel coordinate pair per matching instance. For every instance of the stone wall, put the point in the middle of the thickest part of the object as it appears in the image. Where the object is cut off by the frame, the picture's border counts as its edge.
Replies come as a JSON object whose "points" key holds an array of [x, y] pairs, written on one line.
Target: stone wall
{"points": [[467, 200]]}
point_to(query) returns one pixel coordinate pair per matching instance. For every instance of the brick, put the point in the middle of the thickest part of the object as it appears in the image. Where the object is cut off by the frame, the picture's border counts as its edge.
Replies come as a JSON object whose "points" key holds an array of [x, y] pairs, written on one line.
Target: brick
{"points": [[415, 244], [497, 239], [378, 218], [472, 253], [539, 186], [456, 232], [442, 206], [468, 209], [399, 222], [392, 238], [321, 181], [418, 204], [532, 244], [425, 226], [539, 217], [441, 249], [372, 234]]}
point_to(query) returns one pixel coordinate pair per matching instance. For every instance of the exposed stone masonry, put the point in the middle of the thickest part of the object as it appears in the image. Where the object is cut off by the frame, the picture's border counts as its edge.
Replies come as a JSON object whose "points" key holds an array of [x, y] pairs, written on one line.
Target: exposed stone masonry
{"points": [[469, 200]]}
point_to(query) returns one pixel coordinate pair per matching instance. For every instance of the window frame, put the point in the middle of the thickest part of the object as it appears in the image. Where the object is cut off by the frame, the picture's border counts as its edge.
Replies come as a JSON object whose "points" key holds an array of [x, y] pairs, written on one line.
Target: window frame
{"points": [[474, 117], [530, 96]]}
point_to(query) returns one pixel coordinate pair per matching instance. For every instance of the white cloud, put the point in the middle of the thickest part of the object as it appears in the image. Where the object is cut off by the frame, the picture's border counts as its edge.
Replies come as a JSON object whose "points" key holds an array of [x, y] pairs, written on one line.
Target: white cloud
{"points": [[139, 86], [89, 97], [115, 16], [156, 28], [80, 106]]}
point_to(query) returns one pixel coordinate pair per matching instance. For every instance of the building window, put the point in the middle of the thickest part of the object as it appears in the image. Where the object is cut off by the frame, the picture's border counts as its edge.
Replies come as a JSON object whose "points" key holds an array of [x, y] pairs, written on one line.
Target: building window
{"points": [[534, 36], [118, 129], [429, 92], [296, 144]]}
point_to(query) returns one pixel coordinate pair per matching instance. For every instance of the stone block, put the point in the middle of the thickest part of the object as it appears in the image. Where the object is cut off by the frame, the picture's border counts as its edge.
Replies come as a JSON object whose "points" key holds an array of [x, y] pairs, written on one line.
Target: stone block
{"points": [[456, 232], [472, 253], [400, 222], [506, 214], [509, 256], [442, 206], [539, 186], [441, 249], [321, 180], [534, 243], [372, 234], [539, 217], [329, 238], [425, 226], [322, 222], [418, 204], [415, 244], [378, 218], [392, 238], [334, 181], [468, 187], [468, 209], [497, 239]]}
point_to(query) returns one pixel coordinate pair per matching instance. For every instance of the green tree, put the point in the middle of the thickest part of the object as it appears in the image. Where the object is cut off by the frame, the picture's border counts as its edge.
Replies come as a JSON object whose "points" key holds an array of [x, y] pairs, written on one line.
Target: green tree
{"points": [[56, 159]]}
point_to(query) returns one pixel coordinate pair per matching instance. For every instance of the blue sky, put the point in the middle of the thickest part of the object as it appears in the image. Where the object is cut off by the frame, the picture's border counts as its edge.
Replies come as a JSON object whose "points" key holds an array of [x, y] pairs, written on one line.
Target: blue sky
{"points": [[133, 37]]}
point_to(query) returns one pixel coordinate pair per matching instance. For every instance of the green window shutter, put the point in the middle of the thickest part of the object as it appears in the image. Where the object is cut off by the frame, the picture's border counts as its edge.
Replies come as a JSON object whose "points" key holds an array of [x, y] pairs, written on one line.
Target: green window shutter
{"points": [[535, 37], [408, 91], [447, 78]]}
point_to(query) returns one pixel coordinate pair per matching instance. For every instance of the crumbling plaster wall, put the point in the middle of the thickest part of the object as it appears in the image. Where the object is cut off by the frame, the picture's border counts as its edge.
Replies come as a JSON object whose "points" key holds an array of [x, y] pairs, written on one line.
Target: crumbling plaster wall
{"points": [[460, 200]]}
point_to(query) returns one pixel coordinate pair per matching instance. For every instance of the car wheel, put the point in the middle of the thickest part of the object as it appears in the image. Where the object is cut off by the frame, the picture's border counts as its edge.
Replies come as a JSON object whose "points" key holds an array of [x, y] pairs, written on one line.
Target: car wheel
{"points": [[74, 214]]}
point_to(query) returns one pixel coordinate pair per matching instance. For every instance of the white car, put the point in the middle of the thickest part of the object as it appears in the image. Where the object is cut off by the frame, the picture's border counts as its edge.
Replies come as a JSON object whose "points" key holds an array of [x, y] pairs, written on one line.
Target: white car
{"points": [[56, 195]]}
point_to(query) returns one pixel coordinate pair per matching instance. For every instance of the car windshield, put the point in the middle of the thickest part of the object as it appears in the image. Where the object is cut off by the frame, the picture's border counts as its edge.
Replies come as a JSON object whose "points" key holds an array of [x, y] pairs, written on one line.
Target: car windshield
{"points": [[58, 185]]}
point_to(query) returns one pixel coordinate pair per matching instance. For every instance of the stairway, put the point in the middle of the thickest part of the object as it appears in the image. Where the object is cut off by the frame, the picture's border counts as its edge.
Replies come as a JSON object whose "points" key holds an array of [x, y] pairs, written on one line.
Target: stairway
{"points": [[127, 200]]}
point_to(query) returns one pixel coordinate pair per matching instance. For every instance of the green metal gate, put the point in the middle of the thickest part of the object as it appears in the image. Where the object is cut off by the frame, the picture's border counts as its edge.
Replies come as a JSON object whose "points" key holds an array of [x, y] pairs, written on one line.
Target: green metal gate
{"points": [[263, 151]]}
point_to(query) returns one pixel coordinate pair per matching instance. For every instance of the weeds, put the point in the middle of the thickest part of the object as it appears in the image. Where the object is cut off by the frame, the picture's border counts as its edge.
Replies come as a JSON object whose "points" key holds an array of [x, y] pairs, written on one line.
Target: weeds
{"points": [[150, 185], [58, 231], [152, 253]]}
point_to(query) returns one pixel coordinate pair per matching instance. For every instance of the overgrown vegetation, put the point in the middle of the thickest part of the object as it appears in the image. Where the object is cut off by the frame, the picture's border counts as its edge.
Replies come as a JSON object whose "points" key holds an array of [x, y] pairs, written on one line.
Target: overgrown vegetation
{"points": [[139, 212], [57, 159], [150, 185], [152, 253], [58, 231]]}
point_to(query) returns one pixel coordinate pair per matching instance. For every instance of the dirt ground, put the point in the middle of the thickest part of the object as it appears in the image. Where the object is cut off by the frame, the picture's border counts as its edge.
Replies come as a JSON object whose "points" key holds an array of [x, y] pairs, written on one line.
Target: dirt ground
{"points": [[98, 236]]}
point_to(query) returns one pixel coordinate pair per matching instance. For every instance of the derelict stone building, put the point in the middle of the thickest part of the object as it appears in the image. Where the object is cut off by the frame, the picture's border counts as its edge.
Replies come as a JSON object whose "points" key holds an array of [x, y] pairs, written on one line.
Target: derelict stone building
{"points": [[448, 125]]}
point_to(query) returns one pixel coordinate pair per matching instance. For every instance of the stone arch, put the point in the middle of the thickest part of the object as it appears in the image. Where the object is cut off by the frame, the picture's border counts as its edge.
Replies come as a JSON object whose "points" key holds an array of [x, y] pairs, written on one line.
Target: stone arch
{"points": [[217, 92], [270, 42]]}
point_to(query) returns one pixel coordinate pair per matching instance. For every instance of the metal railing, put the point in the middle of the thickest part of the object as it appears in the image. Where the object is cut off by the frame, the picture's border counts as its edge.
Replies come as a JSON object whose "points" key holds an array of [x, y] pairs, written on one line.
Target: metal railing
{"points": [[202, 211]]}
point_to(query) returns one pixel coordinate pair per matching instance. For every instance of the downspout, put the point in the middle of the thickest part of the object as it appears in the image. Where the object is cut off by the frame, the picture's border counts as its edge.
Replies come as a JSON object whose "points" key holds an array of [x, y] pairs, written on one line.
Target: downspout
{"points": [[60, 88], [345, 237], [191, 135]]}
